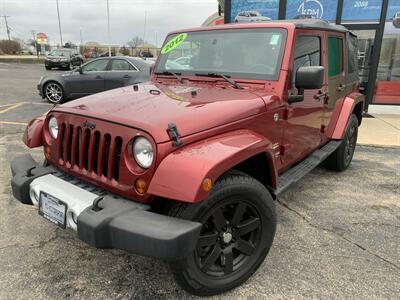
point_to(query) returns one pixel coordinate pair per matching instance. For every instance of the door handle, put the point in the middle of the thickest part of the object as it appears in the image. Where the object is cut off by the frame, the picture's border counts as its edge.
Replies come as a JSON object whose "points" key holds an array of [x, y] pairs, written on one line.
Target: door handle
{"points": [[99, 77], [126, 76], [320, 95], [341, 88]]}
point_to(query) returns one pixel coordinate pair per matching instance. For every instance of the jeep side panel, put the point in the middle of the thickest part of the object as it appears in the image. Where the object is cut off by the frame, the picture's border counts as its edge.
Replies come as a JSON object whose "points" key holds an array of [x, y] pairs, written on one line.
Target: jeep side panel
{"points": [[180, 174]]}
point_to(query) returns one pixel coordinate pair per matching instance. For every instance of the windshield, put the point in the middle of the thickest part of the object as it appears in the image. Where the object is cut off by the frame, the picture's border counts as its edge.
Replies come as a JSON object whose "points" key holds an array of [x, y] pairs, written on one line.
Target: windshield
{"points": [[243, 53], [59, 53]]}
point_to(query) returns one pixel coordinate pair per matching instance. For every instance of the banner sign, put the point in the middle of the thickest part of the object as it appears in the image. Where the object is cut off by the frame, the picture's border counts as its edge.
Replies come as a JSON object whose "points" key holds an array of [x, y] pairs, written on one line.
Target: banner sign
{"points": [[364, 10], [254, 10], [311, 9]]}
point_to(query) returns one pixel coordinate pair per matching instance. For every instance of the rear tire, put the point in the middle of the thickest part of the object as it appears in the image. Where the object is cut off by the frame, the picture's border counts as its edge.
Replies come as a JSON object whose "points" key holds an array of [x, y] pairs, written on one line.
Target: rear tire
{"points": [[341, 158], [239, 223], [47, 68]]}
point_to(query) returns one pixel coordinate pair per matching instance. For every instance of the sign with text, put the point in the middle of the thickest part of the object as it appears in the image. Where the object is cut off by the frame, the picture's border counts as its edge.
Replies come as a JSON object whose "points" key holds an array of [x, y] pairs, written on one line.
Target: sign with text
{"points": [[311, 9], [361, 10]]}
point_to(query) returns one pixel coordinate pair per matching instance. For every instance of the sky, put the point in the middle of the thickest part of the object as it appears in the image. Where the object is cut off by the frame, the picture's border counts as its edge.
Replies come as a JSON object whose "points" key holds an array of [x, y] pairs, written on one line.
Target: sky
{"points": [[127, 18]]}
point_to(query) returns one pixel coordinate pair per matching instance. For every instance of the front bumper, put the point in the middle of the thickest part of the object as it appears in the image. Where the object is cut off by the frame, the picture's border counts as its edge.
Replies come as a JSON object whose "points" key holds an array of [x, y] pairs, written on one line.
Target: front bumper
{"points": [[105, 220]]}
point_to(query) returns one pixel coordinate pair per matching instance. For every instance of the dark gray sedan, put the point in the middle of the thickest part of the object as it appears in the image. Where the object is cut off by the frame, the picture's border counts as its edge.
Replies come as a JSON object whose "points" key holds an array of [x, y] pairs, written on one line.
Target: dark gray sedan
{"points": [[95, 76]]}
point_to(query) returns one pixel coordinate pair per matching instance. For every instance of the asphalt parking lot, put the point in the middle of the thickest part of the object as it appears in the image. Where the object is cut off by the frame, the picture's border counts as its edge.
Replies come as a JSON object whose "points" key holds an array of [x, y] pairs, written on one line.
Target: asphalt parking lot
{"points": [[338, 234]]}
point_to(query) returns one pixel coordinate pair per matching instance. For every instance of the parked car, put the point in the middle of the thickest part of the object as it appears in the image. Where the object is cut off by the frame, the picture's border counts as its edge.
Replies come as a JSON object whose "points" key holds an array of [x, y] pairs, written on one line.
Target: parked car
{"points": [[250, 16], [186, 167], [63, 58], [95, 76]]}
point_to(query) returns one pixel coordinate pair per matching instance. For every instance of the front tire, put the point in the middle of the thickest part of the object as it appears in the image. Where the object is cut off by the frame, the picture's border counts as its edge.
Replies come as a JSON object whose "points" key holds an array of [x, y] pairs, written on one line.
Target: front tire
{"points": [[341, 158], [239, 224], [53, 92]]}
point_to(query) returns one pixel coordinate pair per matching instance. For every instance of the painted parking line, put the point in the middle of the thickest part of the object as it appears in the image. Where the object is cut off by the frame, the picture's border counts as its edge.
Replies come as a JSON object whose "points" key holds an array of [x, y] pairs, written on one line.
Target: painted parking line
{"points": [[13, 123], [11, 107]]}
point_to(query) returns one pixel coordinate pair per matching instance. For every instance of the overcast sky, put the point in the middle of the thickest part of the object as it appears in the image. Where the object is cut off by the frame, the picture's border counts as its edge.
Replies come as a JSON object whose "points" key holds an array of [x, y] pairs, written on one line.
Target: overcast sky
{"points": [[126, 18]]}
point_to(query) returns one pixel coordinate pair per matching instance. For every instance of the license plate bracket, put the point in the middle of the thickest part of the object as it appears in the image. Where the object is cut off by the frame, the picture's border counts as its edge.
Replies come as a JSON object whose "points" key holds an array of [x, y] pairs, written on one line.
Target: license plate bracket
{"points": [[53, 209]]}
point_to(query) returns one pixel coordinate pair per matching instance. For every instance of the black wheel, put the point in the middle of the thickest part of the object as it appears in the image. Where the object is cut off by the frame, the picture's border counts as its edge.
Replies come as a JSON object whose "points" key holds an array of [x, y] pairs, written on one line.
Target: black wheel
{"points": [[239, 224], [341, 158], [47, 68], [53, 92], [70, 66]]}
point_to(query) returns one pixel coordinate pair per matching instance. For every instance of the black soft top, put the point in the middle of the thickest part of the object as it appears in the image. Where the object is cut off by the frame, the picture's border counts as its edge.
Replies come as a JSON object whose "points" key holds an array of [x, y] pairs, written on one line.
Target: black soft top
{"points": [[313, 24]]}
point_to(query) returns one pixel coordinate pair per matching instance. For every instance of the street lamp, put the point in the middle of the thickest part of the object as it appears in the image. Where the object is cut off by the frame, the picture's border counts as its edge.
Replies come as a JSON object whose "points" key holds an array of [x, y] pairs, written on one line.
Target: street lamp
{"points": [[59, 23]]}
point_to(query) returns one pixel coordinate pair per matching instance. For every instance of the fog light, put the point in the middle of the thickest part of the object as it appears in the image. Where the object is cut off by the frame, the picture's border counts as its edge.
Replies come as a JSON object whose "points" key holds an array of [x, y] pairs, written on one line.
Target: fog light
{"points": [[207, 184], [141, 186]]}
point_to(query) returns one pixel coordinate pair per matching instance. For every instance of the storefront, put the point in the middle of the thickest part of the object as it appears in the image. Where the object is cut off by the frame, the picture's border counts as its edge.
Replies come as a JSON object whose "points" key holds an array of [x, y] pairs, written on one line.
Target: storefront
{"points": [[376, 23]]}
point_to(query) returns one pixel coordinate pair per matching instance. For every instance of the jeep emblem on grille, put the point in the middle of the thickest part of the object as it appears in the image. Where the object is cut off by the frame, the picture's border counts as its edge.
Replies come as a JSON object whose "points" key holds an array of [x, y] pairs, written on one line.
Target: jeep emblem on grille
{"points": [[89, 125]]}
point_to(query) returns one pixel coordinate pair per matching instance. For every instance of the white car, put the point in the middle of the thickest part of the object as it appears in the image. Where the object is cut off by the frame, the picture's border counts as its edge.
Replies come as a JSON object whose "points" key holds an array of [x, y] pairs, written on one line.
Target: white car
{"points": [[396, 20], [250, 16]]}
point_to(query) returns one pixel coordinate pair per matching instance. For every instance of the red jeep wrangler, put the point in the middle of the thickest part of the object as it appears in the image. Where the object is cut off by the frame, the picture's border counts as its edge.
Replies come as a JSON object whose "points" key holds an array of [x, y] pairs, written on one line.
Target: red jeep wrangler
{"points": [[185, 167]]}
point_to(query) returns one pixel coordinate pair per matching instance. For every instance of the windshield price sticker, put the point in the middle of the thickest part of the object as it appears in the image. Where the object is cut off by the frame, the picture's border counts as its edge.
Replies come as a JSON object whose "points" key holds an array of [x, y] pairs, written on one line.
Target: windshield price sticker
{"points": [[175, 42], [274, 39]]}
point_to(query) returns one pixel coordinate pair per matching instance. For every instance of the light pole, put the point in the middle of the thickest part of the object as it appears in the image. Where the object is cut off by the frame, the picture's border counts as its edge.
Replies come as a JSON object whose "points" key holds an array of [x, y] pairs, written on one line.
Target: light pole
{"points": [[144, 29], [108, 28], [59, 23]]}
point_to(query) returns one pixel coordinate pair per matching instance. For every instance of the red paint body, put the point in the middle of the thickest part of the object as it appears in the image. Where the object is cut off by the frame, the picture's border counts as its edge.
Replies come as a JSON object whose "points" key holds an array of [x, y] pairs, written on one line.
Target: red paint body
{"points": [[220, 127]]}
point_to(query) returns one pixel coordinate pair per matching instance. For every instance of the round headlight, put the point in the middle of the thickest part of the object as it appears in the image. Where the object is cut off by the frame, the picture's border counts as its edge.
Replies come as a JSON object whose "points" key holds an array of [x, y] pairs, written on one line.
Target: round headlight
{"points": [[53, 127], [143, 152]]}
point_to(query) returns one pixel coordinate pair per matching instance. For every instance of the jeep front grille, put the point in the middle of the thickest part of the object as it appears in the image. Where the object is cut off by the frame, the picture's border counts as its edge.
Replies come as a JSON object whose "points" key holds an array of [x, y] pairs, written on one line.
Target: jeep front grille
{"points": [[90, 150]]}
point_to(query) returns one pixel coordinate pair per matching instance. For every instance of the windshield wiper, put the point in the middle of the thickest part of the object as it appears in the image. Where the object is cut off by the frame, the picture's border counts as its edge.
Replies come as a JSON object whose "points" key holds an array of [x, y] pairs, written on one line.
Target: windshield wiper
{"points": [[231, 81], [177, 75]]}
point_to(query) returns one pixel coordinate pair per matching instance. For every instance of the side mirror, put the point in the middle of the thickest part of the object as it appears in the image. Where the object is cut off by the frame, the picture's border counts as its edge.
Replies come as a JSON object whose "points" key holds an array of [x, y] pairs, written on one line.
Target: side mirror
{"points": [[307, 78], [80, 70]]}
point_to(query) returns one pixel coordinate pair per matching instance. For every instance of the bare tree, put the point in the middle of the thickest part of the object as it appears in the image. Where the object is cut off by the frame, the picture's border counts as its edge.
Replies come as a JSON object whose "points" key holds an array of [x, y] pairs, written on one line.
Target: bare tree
{"points": [[134, 42]]}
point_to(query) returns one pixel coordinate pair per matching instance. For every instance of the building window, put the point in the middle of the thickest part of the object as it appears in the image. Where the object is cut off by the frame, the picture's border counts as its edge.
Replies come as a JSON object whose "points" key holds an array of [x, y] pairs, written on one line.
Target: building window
{"points": [[352, 61], [335, 56]]}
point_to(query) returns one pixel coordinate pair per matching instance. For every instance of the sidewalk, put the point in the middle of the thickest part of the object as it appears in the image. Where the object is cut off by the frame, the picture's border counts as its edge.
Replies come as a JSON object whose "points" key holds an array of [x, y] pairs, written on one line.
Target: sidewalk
{"points": [[24, 59], [381, 130]]}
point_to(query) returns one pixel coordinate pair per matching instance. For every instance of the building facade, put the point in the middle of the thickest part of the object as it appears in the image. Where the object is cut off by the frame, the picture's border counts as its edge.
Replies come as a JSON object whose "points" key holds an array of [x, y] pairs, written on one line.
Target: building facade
{"points": [[375, 22]]}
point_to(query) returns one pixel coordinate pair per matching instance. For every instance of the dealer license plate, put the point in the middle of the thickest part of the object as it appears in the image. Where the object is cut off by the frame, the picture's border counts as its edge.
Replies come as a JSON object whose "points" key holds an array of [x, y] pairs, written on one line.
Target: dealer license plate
{"points": [[52, 209]]}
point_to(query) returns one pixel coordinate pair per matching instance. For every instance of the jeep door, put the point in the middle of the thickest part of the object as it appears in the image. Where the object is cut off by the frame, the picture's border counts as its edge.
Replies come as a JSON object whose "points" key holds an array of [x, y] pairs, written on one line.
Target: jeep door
{"points": [[121, 74], [302, 133], [91, 80], [338, 85]]}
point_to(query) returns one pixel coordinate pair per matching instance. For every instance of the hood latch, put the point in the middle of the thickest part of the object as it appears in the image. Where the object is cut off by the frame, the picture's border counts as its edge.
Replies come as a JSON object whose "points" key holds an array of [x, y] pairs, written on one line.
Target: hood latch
{"points": [[174, 135]]}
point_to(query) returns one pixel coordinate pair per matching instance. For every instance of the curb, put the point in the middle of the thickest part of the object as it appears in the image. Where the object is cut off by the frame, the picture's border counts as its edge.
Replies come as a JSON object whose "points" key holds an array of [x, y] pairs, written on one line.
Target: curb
{"points": [[33, 60], [379, 146]]}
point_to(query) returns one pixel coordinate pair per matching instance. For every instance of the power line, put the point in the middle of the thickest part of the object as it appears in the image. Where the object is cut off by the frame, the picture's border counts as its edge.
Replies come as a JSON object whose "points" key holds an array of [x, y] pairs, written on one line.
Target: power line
{"points": [[7, 28]]}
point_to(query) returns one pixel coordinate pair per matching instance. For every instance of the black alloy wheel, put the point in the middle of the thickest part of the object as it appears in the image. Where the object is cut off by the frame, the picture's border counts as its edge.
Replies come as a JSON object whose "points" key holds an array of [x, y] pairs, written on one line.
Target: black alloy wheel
{"points": [[342, 157], [239, 224]]}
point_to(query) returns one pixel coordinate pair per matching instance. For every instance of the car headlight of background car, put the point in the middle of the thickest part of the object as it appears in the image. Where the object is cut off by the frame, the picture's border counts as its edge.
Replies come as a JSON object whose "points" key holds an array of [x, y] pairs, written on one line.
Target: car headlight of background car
{"points": [[53, 127], [64, 59], [143, 152]]}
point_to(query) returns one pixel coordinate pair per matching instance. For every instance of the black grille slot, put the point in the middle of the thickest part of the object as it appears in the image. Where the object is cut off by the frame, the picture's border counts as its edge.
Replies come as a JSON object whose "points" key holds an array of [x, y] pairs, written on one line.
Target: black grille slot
{"points": [[78, 145], [96, 151], [86, 140], [62, 141], [117, 156], [106, 153], [69, 145]]}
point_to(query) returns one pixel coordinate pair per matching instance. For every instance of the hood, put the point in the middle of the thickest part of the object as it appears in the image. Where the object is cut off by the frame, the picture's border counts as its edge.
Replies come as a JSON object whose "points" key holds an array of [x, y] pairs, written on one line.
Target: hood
{"points": [[192, 108]]}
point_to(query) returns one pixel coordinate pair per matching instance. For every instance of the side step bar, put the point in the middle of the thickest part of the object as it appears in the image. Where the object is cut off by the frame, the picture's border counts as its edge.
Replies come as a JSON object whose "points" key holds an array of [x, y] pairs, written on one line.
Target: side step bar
{"points": [[297, 172]]}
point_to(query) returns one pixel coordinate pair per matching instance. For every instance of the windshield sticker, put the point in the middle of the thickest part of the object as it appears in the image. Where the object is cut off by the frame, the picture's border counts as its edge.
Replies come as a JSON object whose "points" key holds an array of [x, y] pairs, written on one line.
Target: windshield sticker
{"points": [[175, 42], [274, 40]]}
